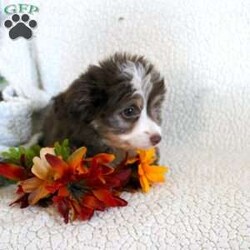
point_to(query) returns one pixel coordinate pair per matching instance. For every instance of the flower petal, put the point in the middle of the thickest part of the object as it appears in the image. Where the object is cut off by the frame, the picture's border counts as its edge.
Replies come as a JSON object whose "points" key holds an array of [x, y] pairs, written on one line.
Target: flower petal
{"points": [[155, 173], [76, 160], [86, 213], [23, 200], [31, 184], [64, 192], [63, 206], [41, 169], [118, 179], [106, 170], [144, 184], [75, 209], [108, 198], [45, 151], [98, 165], [60, 167], [147, 156], [38, 194], [143, 180], [104, 158], [12, 171], [131, 160], [92, 202], [52, 187]]}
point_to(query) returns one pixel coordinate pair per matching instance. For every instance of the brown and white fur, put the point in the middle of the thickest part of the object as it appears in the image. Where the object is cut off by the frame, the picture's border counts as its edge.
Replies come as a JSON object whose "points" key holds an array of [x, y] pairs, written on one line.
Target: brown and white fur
{"points": [[113, 107]]}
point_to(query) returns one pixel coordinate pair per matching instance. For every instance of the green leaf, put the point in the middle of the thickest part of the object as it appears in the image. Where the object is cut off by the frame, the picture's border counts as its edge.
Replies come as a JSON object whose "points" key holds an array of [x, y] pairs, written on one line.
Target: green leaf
{"points": [[63, 149], [21, 156], [24, 156], [30, 154], [12, 156], [5, 182]]}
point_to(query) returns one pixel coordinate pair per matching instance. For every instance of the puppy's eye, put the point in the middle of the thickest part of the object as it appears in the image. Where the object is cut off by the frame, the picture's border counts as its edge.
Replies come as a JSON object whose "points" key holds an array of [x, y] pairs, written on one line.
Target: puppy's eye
{"points": [[131, 112]]}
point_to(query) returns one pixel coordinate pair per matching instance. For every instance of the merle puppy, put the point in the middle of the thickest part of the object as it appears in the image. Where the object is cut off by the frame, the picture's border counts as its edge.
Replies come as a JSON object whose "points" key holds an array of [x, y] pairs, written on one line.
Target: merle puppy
{"points": [[113, 107]]}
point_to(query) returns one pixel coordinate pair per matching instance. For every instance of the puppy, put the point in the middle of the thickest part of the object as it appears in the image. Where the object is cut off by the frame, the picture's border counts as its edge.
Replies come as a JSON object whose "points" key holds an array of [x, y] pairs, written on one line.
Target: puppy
{"points": [[113, 107]]}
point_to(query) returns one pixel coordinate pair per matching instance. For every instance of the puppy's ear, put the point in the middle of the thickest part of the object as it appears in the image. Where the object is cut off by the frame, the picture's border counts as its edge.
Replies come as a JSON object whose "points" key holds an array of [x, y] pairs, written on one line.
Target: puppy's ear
{"points": [[59, 106], [81, 108], [82, 101]]}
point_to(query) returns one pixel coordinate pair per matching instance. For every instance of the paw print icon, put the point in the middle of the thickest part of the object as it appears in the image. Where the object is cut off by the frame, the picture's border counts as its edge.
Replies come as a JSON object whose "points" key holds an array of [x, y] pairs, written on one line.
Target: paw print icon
{"points": [[20, 26]]}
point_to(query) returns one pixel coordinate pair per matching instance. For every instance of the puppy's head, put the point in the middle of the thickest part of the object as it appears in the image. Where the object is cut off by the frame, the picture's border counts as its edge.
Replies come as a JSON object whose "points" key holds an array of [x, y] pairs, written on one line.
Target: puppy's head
{"points": [[121, 99]]}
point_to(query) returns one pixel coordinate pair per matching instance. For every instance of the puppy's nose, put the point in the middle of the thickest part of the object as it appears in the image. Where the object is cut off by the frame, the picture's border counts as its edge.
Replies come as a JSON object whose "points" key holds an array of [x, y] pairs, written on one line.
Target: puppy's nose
{"points": [[155, 139]]}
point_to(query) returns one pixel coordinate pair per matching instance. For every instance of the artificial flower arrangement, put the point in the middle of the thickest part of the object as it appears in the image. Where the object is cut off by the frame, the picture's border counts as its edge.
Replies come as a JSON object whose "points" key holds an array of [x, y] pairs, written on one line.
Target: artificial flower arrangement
{"points": [[75, 184]]}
